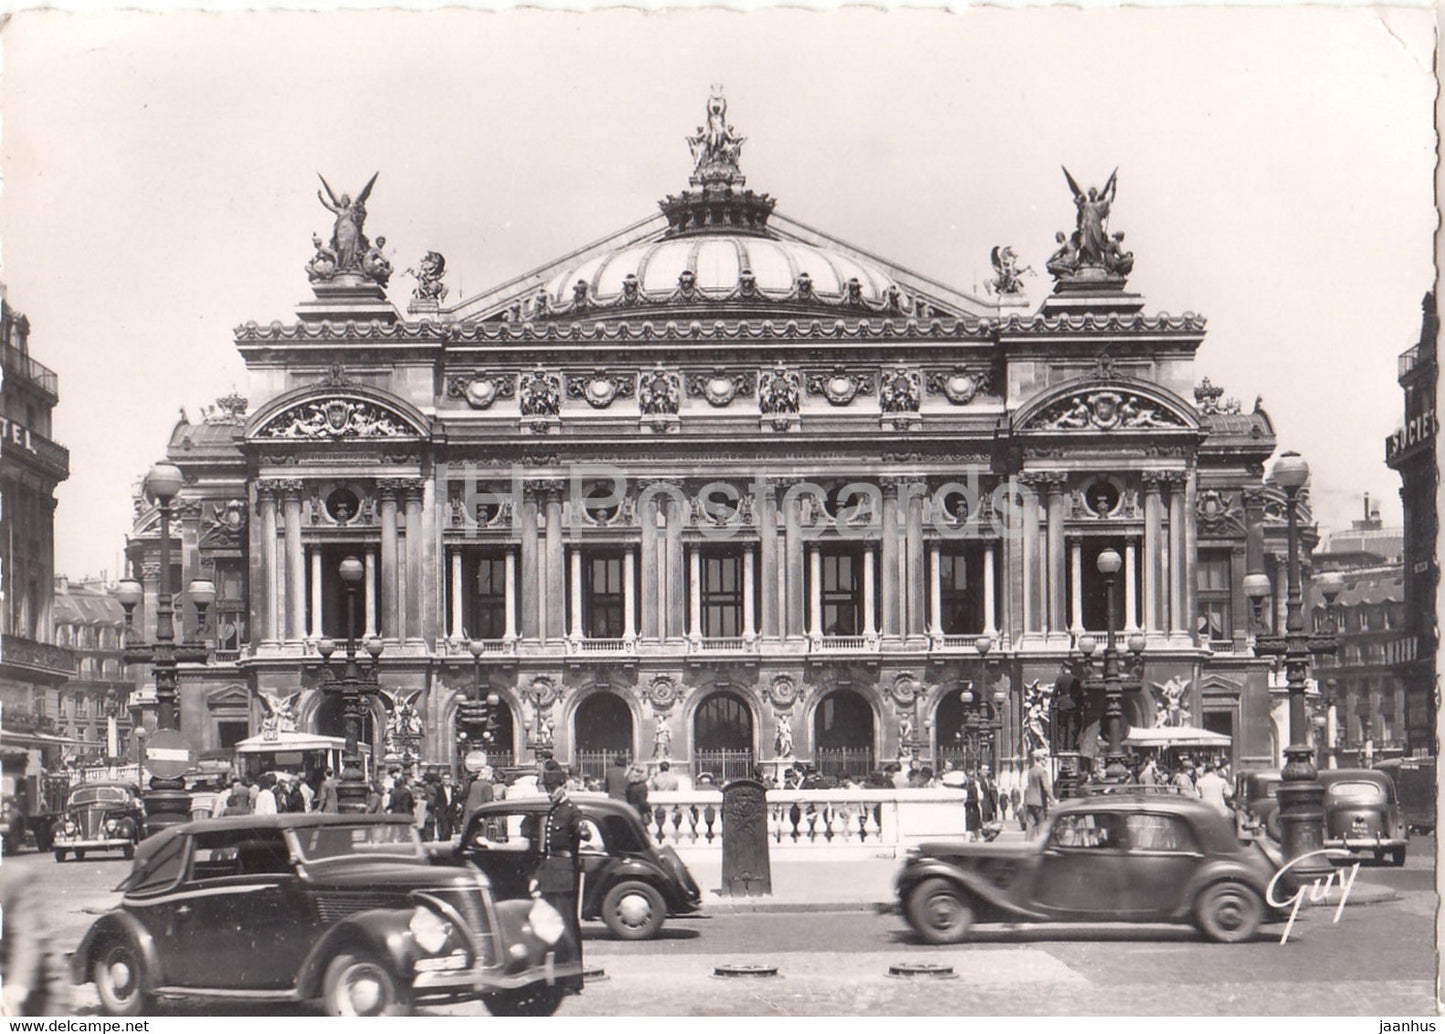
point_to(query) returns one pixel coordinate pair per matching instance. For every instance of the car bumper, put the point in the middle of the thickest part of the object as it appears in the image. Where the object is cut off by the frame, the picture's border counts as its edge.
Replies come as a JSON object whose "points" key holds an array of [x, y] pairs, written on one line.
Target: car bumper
{"points": [[1365, 844], [473, 981], [60, 841]]}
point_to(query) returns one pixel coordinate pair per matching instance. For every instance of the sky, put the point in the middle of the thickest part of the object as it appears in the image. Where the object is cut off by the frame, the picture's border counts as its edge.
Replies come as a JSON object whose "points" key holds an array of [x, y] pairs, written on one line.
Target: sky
{"points": [[1275, 175]]}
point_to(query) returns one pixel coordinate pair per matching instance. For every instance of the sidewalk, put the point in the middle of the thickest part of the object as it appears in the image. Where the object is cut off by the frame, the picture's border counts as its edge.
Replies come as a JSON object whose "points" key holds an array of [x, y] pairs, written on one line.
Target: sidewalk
{"points": [[855, 884]]}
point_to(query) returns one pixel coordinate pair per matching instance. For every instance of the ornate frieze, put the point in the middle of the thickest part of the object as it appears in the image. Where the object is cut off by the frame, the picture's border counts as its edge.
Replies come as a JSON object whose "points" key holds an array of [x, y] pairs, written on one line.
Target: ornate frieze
{"points": [[600, 388], [720, 387], [959, 385], [480, 390], [658, 392], [1105, 411], [540, 393], [334, 418], [840, 387], [779, 395], [899, 390], [224, 523], [1219, 513]]}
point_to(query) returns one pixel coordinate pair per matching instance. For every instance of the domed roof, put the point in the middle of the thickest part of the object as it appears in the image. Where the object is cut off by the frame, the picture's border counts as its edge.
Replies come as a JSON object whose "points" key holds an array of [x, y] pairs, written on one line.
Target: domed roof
{"points": [[719, 263]]}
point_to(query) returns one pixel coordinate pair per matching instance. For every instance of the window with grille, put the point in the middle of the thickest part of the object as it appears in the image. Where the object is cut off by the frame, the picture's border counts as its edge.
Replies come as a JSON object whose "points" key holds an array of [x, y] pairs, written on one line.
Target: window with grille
{"points": [[722, 596]]}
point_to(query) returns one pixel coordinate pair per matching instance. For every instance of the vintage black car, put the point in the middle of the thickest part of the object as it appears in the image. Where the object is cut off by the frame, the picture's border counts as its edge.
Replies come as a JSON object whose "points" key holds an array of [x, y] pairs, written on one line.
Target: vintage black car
{"points": [[342, 908], [99, 817], [1116, 857], [1362, 813], [628, 883]]}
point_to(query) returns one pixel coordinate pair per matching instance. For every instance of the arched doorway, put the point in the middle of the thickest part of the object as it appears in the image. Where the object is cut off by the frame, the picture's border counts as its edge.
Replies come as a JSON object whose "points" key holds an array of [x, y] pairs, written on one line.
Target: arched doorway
{"points": [[722, 738], [968, 729], [601, 731], [843, 735]]}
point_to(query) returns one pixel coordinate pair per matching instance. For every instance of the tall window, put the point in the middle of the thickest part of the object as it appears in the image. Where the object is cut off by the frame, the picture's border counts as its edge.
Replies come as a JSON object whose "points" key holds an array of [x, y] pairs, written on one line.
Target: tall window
{"points": [[842, 594], [1095, 596], [229, 617], [960, 592], [1215, 603], [602, 599], [722, 596], [489, 603]]}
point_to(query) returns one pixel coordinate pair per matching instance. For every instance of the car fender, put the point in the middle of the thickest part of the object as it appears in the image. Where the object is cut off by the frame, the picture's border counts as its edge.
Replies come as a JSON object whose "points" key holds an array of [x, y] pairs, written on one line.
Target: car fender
{"points": [[381, 931], [622, 870], [114, 926], [1217, 871], [973, 882]]}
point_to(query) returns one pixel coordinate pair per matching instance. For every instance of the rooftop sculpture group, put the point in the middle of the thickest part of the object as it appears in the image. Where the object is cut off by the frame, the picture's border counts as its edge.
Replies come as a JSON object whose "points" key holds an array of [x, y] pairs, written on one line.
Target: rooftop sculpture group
{"points": [[1090, 253], [348, 252]]}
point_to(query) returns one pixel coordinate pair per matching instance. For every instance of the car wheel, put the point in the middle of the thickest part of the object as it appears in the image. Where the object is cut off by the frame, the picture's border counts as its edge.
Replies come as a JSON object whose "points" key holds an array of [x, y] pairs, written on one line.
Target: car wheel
{"points": [[1228, 912], [537, 1000], [940, 911], [633, 911], [119, 976], [362, 985], [59, 854]]}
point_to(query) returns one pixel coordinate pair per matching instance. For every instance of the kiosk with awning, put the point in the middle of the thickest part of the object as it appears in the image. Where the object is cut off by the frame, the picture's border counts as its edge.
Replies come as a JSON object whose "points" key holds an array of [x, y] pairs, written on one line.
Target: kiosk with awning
{"points": [[297, 753]]}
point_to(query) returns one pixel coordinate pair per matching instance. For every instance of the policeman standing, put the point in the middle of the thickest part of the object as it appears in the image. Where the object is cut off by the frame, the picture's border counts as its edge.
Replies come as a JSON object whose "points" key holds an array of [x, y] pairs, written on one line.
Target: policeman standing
{"points": [[559, 873]]}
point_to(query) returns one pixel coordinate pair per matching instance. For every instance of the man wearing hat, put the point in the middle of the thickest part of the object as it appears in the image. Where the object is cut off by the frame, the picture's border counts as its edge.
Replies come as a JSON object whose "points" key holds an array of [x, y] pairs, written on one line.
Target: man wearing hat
{"points": [[559, 873], [1038, 793]]}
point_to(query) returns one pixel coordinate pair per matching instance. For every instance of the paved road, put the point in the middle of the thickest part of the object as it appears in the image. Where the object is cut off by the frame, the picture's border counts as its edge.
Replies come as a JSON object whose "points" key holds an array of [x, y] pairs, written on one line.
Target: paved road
{"points": [[1377, 960]]}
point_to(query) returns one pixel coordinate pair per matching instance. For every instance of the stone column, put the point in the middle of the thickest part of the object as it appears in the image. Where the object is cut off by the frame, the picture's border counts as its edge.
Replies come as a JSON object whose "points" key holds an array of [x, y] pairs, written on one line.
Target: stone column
{"points": [[1076, 595], [369, 559], [935, 589], [553, 605], [314, 632], [916, 607], [1189, 568], [270, 608], [1178, 565], [1131, 604], [531, 567], [295, 561], [768, 555], [815, 592], [651, 590], [1032, 608], [1153, 551], [1054, 505], [749, 625], [575, 595], [793, 558], [676, 571], [510, 611], [869, 627], [629, 595], [694, 593], [456, 594], [386, 490], [990, 617], [891, 577], [415, 550]]}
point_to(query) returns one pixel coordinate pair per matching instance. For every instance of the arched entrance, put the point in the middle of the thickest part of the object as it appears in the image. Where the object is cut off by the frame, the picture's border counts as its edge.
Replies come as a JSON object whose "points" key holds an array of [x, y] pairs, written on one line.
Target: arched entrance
{"points": [[843, 735], [968, 729], [601, 731], [722, 738]]}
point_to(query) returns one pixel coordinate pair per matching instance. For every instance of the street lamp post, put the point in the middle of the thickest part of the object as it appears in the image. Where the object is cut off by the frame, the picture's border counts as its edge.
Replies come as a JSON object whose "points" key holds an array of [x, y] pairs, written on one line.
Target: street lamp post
{"points": [[1113, 675], [167, 803], [1301, 797], [353, 684], [477, 715]]}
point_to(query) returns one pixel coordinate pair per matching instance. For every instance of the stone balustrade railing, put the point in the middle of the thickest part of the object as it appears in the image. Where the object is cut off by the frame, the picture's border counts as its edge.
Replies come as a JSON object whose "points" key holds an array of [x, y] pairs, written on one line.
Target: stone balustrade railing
{"points": [[816, 823]]}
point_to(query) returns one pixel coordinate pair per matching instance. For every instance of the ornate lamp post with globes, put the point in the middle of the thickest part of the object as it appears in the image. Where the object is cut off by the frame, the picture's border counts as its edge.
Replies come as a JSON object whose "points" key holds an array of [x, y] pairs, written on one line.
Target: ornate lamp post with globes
{"points": [[167, 803], [353, 684], [1301, 797], [477, 715]]}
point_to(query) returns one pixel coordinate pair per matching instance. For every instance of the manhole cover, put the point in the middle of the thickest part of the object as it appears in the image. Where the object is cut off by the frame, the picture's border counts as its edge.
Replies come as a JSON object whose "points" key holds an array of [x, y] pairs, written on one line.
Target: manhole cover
{"points": [[746, 969], [937, 970]]}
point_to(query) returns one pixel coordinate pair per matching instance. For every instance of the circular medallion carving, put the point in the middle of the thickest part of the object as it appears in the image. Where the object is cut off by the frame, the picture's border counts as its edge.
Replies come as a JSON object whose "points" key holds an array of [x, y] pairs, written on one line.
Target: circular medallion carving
{"points": [[662, 692], [905, 690], [481, 392], [783, 692], [342, 505]]}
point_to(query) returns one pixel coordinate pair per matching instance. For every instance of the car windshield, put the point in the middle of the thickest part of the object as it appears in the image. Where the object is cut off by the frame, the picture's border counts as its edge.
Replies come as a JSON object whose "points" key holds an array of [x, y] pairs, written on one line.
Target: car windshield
{"points": [[364, 840], [98, 795], [1356, 793]]}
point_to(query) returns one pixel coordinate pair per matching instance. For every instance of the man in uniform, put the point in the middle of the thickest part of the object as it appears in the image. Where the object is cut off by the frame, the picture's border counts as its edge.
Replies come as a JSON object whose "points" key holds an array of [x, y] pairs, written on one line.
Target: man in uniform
{"points": [[559, 873]]}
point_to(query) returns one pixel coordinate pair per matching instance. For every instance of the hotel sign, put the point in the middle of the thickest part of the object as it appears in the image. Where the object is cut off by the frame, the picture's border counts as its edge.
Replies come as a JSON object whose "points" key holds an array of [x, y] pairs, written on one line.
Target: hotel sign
{"points": [[17, 434]]}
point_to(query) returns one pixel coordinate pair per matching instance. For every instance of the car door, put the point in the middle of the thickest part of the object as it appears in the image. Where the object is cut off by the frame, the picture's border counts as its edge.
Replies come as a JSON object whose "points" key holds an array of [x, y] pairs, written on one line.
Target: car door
{"points": [[505, 846], [1162, 854], [1078, 875]]}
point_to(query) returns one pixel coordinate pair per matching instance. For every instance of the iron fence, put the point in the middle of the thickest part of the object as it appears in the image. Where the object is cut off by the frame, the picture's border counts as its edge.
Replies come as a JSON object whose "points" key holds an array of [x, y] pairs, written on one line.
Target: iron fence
{"points": [[722, 765], [835, 761]]}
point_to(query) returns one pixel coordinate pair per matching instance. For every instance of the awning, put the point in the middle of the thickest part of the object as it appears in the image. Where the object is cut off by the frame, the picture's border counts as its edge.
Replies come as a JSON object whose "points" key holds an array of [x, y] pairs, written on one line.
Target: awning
{"points": [[10, 737], [1176, 736], [289, 741]]}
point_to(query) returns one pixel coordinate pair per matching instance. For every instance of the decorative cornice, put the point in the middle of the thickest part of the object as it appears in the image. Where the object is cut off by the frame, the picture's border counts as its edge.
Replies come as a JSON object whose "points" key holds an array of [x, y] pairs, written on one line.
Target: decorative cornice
{"points": [[424, 331]]}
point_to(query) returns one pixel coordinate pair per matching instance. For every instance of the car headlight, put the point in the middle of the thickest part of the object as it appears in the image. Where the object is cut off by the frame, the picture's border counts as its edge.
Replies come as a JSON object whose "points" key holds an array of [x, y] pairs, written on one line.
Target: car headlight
{"points": [[547, 922], [430, 930], [70, 826], [111, 825]]}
